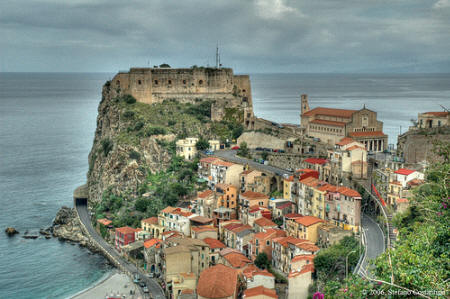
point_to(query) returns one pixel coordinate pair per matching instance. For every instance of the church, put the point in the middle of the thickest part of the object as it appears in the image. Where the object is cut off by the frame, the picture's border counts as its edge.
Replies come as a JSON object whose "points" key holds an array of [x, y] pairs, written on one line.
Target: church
{"points": [[330, 125]]}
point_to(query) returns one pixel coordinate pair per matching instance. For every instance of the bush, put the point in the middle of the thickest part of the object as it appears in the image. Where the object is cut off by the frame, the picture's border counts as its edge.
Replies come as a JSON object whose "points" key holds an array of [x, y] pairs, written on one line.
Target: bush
{"points": [[107, 146], [141, 204], [128, 114], [243, 150], [138, 126], [135, 155], [171, 123], [129, 99], [155, 131], [262, 261], [202, 144]]}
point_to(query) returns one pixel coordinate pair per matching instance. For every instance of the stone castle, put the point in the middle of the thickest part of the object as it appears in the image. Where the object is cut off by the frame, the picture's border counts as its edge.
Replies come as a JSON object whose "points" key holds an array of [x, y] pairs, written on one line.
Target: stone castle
{"points": [[189, 85]]}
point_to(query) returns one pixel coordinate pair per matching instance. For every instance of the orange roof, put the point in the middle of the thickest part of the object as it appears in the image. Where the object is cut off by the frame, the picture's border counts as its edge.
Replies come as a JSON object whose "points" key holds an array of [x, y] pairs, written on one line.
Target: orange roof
{"points": [[368, 134], [180, 212], [438, 114], [241, 228], [253, 195], [168, 209], [200, 229], [208, 160], [213, 243], [330, 112], [354, 147], [285, 240], [205, 194], [319, 161], [308, 220], [104, 221], [237, 259], [232, 226], [138, 229], [270, 233], [308, 246], [222, 163], [305, 269], [125, 230], [218, 281], [306, 257], [328, 122], [395, 183], [327, 187], [310, 181], [246, 172], [201, 219], [264, 222], [293, 215], [260, 291], [348, 192], [345, 141], [404, 171], [151, 220], [152, 242], [187, 291], [402, 200]]}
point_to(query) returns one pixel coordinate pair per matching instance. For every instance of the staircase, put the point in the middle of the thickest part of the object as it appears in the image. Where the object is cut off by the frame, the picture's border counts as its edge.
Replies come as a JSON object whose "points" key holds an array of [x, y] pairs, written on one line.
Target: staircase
{"points": [[392, 236]]}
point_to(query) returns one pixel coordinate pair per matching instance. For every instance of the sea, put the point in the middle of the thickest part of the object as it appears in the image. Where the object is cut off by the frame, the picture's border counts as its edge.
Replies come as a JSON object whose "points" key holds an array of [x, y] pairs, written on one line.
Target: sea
{"points": [[47, 125]]}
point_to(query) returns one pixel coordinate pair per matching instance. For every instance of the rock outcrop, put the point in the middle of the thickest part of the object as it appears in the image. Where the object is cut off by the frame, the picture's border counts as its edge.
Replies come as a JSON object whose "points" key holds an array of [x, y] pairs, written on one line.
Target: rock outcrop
{"points": [[11, 231]]}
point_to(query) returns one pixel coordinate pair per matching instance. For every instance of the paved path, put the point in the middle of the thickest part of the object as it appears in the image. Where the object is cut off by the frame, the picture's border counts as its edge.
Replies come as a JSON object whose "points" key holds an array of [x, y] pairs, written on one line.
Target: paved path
{"points": [[152, 285], [375, 244], [230, 155]]}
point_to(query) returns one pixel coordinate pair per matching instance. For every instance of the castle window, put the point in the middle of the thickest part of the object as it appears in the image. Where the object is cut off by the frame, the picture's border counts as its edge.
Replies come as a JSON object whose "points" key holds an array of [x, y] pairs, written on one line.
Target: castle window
{"points": [[200, 82], [184, 81], [170, 81], [139, 82], [156, 82], [118, 82], [243, 90]]}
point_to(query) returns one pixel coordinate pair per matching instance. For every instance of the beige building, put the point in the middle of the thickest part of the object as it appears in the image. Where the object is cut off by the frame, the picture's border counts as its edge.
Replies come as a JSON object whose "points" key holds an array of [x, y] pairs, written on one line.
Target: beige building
{"points": [[186, 148], [433, 119], [214, 145], [223, 172], [299, 282], [331, 125]]}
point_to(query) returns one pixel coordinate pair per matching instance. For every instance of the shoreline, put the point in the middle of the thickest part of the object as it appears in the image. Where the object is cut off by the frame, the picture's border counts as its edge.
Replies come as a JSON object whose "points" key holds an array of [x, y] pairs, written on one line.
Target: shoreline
{"points": [[102, 279]]}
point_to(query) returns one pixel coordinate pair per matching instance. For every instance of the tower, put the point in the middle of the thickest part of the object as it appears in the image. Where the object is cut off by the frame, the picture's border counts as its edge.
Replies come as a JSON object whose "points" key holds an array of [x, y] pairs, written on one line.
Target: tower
{"points": [[304, 103]]}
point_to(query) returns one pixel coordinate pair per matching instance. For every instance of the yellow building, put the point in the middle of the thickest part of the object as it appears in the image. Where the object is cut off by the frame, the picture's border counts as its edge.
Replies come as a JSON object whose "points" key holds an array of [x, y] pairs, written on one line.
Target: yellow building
{"points": [[214, 145], [307, 228], [186, 148], [152, 226], [227, 196], [287, 187]]}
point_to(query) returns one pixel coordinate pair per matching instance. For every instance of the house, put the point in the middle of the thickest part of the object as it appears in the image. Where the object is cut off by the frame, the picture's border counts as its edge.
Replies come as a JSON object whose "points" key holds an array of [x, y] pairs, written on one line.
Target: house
{"points": [[218, 281], [151, 255], [141, 234], [223, 172], [223, 214], [433, 119], [306, 228], [206, 203], [124, 236], [176, 219], [215, 246], [299, 282], [247, 178], [329, 234], [186, 148], [250, 214], [262, 242], [250, 198], [299, 174], [182, 283], [262, 224], [214, 145], [281, 207], [284, 249], [316, 164], [287, 224], [343, 208], [201, 232], [255, 277], [260, 292], [105, 228], [238, 236], [405, 175], [235, 259], [199, 221], [152, 226], [227, 196], [204, 167]]}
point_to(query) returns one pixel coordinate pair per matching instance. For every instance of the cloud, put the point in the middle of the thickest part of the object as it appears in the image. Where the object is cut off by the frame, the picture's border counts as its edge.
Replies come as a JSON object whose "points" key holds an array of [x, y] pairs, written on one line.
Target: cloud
{"points": [[442, 4], [274, 9]]}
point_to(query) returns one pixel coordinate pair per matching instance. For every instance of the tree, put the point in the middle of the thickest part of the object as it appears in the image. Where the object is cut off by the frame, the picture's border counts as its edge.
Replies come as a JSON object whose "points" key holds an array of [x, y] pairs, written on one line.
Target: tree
{"points": [[141, 204], [243, 150], [262, 261], [164, 65], [202, 144]]}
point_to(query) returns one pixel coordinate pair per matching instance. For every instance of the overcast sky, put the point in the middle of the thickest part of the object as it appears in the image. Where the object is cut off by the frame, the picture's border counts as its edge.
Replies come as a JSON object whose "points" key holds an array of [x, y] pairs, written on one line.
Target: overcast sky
{"points": [[254, 35]]}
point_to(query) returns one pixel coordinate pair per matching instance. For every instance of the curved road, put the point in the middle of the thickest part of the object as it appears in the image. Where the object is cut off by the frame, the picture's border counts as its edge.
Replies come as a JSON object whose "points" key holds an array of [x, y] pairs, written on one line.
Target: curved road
{"points": [[374, 242], [152, 285]]}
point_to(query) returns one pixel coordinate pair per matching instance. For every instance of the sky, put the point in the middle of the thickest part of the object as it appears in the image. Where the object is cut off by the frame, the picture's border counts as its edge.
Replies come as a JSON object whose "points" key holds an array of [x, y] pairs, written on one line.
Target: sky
{"points": [[254, 36]]}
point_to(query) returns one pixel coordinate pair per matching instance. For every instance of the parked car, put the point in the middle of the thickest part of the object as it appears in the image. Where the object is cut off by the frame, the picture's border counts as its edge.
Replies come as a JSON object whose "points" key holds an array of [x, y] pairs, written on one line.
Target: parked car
{"points": [[209, 153], [281, 151], [259, 148], [142, 284], [145, 289], [275, 151], [235, 147]]}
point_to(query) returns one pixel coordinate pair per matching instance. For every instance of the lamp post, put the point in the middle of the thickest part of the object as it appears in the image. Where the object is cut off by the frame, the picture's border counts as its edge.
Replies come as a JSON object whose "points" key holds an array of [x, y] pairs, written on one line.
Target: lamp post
{"points": [[346, 266]]}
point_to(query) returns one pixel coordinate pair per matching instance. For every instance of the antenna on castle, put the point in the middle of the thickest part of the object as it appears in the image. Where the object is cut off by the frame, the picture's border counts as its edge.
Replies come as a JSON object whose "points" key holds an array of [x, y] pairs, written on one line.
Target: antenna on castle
{"points": [[218, 64]]}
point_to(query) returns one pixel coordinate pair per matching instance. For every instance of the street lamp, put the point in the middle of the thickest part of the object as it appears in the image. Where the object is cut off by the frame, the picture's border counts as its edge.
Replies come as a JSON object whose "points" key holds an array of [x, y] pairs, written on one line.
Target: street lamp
{"points": [[346, 266]]}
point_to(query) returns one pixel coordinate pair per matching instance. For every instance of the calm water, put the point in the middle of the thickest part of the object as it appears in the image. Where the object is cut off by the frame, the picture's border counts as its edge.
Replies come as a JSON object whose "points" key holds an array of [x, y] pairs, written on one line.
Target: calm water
{"points": [[47, 124]]}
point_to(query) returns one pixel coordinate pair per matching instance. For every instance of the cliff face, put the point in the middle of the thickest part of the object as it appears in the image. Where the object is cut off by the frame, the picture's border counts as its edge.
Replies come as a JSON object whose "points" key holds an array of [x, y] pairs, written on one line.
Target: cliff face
{"points": [[110, 164]]}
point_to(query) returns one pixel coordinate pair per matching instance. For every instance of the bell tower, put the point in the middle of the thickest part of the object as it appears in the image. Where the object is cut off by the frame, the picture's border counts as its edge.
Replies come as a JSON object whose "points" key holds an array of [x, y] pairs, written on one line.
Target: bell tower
{"points": [[305, 105]]}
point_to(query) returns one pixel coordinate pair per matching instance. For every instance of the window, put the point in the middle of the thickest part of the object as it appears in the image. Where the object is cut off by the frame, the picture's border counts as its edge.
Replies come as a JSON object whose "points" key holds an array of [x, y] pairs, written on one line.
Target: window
{"points": [[118, 82], [200, 82], [184, 81], [268, 243], [139, 82], [156, 82]]}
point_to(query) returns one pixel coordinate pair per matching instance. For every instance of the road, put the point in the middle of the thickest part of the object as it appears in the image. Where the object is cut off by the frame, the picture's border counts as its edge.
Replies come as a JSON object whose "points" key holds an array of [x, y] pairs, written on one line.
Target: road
{"points": [[152, 285], [375, 244], [230, 155]]}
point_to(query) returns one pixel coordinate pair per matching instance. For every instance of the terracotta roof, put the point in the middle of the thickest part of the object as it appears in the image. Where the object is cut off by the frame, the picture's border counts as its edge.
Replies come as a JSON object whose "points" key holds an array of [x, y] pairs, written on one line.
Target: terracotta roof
{"points": [[260, 291], [292, 215], [328, 187], [415, 182], [246, 172], [402, 200], [138, 230], [218, 281], [345, 141], [200, 229], [104, 221], [237, 259], [224, 186], [232, 226], [205, 194], [308, 220], [187, 291], [253, 195], [181, 212], [283, 205], [285, 240], [213, 243], [168, 209], [308, 246], [438, 114], [151, 220], [328, 123], [310, 181], [125, 230], [305, 269], [152, 242], [222, 163], [264, 222], [348, 192], [316, 161], [395, 183], [368, 134], [241, 228], [404, 171], [305, 170], [330, 112], [208, 160], [306, 257], [354, 147], [201, 219], [228, 250]]}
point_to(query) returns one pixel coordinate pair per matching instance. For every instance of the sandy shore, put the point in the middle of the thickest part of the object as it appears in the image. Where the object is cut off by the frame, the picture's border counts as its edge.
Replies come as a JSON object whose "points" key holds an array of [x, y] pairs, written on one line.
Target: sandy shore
{"points": [[116, 284]]}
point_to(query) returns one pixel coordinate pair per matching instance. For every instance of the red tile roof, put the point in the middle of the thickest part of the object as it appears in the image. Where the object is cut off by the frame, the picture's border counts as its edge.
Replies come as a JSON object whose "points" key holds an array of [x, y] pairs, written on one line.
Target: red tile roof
{"points": [[208, 160], [308, 220], [438, 114], [222, 163], [151, 220], [205, 194], [218, 281], [253, 195], [200, 229], [232, 226], [125, 230], [310, 181], [237, 259], [354, 147], [330, 112], [308, 246], [292, 216], [404, 171], [264, 222], [168, 209], [402, 200], [367, 134], [345, 141], [328, 122], [305, 269], [306, 257], [348, 192], [104, 221], [152, 242], [316, 161], [201, 219], [260, 291], [213, 243]]}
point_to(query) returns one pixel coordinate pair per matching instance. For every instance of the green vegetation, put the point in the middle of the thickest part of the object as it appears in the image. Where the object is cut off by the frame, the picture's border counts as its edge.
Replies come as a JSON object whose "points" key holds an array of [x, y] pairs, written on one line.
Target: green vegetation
{"points": [[107, 146], [243, 150], [262, 261], [135, 155], [202, 144], [164, 65]]}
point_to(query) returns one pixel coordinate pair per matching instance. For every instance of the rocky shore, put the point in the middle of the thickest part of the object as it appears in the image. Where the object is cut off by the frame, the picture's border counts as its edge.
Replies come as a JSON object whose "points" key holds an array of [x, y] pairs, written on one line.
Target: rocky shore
{"points": [[67, 227]]}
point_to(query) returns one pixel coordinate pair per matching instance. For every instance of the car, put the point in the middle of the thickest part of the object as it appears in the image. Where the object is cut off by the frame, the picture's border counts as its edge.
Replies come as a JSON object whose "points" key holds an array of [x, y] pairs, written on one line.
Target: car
{"points": [[145, 289], [151, 275], [235, 147], [136, 278], [209, 153], [142, 284], [281, 151], [275, 151], [259, 148]]}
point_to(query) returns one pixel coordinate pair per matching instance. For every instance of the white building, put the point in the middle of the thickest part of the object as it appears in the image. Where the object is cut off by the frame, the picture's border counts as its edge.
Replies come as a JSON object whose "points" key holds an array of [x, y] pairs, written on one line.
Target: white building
{"points": [[186, 148]]}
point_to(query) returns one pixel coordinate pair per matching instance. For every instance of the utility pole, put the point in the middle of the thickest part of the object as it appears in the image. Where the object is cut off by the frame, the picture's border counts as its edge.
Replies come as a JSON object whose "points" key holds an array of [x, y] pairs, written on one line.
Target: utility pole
{"points": [[217, 55]]}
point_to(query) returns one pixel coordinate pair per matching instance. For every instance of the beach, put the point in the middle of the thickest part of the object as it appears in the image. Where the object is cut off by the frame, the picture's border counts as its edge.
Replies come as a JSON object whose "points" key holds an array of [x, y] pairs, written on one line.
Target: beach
{"points": [[115, 284]]}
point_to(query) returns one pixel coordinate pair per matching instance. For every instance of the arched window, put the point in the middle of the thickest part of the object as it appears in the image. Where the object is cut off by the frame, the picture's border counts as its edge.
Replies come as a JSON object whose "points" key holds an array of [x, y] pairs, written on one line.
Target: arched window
{"points": [[200, 82], [156, 82], [170, 81]]}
